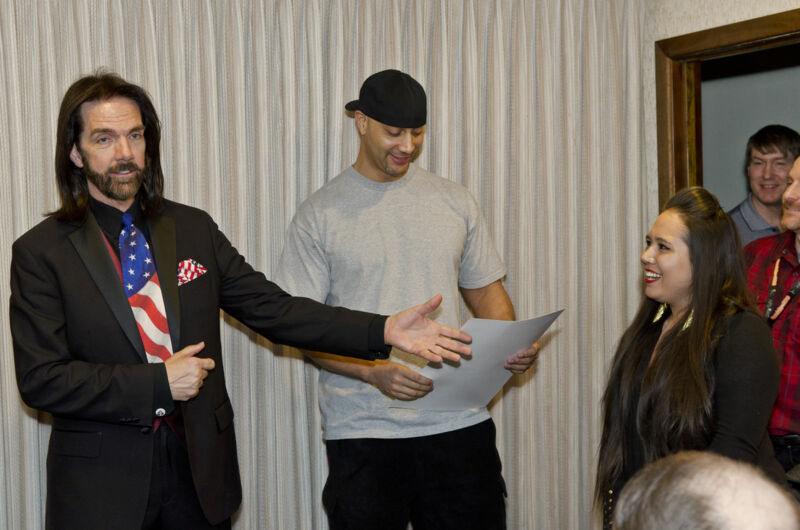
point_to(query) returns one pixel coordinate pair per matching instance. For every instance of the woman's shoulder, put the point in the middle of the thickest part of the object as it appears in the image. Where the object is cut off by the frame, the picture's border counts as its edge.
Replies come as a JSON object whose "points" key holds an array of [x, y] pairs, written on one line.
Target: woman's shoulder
{"points": [[745, 361], [747, 340], [745, 321]]}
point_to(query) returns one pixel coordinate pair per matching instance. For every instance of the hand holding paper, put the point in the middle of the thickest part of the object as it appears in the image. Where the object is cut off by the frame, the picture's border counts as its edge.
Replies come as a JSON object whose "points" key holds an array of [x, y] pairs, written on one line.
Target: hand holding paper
{"points": [[474, 381], [523, 360]]}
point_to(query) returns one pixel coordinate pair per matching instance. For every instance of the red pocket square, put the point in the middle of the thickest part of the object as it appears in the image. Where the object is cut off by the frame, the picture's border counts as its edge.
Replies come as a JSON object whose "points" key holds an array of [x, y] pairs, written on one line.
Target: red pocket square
{"points": [[188, 270]]}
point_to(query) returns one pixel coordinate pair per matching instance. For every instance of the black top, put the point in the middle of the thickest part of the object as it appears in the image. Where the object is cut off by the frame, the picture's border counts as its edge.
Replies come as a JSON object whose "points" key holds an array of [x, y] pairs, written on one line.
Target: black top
{"points": [[747, 377], [747, 373]]}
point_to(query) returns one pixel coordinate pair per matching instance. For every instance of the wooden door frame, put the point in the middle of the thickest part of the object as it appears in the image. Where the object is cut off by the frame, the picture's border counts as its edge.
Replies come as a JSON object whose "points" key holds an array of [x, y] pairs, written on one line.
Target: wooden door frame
{"points": [[678, 63]]}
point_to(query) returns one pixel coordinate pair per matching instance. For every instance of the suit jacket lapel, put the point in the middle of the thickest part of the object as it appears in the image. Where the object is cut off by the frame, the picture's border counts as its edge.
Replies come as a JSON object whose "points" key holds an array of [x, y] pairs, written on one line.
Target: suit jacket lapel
{"points": [[162, 232], [89, 243]]}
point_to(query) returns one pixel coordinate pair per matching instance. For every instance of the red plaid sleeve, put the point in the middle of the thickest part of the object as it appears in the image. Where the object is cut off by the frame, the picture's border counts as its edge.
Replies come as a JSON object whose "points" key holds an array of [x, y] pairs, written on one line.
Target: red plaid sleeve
{"points": [[760, 258]]}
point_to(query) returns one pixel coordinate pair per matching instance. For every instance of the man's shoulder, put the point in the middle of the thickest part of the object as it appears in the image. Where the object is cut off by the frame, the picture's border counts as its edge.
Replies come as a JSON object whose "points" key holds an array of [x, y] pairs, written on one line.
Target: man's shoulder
{"points": [[775, 241], [48, 233], [766, 247], [182, 212], [737, 210], [169, 207]]}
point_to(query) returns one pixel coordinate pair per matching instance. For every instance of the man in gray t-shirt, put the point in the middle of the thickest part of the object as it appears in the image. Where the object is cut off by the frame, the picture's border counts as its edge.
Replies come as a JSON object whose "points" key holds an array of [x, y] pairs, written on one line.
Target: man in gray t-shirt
{"points": [[382, 232], [769, 156]]}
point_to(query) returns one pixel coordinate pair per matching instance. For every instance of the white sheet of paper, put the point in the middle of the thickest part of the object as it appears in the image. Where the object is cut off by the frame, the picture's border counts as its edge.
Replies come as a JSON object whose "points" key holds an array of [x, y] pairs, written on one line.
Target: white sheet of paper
{"points": [[474, 382]]}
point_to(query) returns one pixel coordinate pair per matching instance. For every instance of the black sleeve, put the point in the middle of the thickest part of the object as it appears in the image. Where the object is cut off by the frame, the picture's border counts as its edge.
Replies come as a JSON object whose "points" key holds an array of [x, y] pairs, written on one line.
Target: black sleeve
{"points": [[264, 307], [747, 379]]}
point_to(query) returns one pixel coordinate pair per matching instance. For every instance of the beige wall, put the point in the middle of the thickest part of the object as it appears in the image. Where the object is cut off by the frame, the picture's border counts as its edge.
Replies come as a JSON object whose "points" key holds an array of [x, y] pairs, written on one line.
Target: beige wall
{"points": [[670, 18]]}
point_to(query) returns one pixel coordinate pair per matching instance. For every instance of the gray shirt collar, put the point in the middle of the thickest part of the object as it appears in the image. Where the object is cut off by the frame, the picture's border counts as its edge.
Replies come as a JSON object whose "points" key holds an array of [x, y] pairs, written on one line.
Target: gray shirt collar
{"points": [[753, 219]]}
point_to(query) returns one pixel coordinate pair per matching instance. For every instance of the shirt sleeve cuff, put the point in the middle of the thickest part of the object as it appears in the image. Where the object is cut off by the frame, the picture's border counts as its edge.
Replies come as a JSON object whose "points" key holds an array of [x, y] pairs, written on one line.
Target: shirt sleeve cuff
{"points": [[377, 347], [162, 395]]}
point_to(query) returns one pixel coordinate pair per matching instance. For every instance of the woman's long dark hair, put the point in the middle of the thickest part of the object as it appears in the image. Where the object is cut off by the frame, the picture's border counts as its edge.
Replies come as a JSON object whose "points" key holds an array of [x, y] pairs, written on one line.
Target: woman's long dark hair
{"points": [[73, 189], [674, 409]]}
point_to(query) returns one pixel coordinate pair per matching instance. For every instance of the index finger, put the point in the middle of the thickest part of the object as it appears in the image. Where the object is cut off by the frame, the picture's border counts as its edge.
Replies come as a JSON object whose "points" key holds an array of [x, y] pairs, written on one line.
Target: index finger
{"points": [[455, 334], [206, 363], [191, 349]]}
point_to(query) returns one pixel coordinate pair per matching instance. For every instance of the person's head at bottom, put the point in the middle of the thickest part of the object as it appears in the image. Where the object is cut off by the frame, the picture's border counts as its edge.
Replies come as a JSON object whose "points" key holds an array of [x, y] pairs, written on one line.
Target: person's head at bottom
{"points": [[704, 491]]}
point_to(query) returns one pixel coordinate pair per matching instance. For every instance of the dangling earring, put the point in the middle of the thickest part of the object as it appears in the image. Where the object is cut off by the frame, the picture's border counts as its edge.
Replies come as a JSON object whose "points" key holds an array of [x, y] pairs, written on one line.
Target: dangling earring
{"points": [[660, 313], [688, 321]]}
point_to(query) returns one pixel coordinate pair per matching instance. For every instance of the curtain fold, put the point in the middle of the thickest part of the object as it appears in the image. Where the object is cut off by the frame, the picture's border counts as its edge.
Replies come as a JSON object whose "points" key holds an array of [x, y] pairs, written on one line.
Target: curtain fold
{"points": [[536, 107]]}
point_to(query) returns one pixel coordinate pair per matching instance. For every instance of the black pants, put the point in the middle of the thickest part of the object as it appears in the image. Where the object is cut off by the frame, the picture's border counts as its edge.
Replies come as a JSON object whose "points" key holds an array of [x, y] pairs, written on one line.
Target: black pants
{"points": [[444, 481], [173, 502]]}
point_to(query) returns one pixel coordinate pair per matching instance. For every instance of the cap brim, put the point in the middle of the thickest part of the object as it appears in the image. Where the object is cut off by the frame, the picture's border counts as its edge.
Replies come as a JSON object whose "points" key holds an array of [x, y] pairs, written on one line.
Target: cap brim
{"points": [[352, 106]]}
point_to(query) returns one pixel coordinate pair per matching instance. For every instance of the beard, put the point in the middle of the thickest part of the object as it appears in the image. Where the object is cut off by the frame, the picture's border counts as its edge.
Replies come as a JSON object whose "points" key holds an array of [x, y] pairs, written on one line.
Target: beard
{"points": [[117, 188]]}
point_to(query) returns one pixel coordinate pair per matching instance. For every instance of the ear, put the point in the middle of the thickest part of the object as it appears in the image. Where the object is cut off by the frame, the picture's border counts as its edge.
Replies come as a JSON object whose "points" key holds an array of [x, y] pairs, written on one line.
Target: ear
{"points": [[75, 156], [361, 122]]}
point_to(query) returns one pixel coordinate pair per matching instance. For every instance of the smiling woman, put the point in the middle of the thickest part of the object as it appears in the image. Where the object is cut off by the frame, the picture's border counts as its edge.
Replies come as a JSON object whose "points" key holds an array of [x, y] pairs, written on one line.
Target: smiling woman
{"points": [[667, 267], [696, 369]]}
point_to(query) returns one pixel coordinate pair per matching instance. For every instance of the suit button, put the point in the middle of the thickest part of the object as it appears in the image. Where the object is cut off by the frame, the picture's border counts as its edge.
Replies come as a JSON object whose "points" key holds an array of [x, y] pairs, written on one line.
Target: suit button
{"points": [[160, 412], [145, 430]]}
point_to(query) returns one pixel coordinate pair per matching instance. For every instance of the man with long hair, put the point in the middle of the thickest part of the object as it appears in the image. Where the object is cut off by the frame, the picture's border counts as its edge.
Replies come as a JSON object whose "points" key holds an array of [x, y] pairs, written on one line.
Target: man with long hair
{"points": [[113, 298]]}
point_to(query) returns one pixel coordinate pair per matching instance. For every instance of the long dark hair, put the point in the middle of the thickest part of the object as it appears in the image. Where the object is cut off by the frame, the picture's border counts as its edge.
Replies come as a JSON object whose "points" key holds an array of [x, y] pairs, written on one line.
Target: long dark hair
{"points": [[73, 189], [674, 408]]}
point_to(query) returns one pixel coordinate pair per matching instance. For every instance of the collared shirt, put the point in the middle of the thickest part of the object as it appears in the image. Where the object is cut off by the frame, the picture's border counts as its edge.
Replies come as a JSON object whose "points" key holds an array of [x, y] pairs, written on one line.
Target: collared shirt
{"points": [[760, 258], [750, 223], [110, 220]]}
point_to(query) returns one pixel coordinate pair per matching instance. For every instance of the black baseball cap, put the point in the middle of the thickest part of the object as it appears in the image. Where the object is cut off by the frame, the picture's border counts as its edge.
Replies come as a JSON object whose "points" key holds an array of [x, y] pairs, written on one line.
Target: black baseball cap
{"points": [[392, 98]]}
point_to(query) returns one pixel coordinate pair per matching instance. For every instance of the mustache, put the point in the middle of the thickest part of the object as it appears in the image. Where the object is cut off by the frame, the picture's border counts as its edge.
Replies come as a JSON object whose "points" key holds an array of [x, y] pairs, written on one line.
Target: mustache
{"points": [[124, 166]]}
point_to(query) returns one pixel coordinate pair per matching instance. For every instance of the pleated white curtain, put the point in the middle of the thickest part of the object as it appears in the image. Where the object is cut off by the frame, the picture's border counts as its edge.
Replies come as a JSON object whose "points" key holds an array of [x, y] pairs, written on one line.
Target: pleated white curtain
{"points": [[535, 106]]}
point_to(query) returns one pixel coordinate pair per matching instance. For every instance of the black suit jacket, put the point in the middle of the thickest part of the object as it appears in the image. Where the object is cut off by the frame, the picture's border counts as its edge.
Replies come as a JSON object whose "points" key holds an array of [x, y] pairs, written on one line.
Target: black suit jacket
{"points": [[79, 356]]}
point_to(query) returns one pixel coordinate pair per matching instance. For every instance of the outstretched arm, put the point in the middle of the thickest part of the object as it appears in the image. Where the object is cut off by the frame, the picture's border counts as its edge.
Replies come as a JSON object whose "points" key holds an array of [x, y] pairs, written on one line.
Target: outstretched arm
{"points": [[412, 331]]}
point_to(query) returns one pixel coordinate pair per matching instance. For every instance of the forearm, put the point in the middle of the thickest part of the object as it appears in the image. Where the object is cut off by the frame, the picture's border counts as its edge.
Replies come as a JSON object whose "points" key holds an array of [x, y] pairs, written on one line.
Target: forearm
{"points": [[119, 393], [349, 367]]}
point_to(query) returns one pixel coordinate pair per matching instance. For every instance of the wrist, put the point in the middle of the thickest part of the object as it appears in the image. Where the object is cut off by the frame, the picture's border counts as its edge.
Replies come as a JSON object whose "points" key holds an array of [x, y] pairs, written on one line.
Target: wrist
{"points": [[366, 374], [386, 327]]}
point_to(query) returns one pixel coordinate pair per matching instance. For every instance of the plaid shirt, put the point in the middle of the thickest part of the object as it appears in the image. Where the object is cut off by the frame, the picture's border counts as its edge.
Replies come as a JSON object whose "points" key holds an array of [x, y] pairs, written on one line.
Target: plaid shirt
{"points": [[760, 257]]}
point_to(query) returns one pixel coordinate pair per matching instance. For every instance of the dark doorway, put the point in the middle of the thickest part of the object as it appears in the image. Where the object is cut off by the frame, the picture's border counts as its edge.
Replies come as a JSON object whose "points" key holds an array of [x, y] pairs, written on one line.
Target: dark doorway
{"points": [[679, 65], [740, 94]]}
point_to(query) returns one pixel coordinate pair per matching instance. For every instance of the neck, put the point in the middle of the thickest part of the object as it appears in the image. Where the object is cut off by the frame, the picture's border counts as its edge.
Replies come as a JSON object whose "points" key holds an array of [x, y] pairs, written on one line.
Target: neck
{"points": [[121, 205], [771, 214], [677, 314], [368, 170]]}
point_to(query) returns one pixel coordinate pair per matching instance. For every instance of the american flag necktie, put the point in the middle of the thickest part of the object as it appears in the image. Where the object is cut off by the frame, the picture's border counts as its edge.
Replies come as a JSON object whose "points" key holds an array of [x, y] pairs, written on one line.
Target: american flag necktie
{"points": [[140, 280]]}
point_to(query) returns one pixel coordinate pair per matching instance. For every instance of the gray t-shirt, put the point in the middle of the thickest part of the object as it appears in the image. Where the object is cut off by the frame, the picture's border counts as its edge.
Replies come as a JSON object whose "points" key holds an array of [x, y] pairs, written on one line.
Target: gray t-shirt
{"points": [[383, 247]]}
